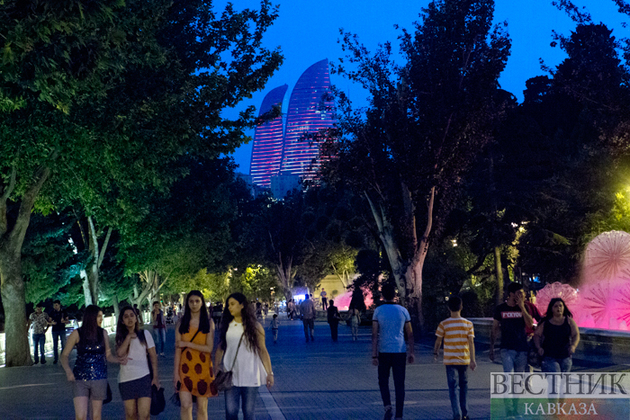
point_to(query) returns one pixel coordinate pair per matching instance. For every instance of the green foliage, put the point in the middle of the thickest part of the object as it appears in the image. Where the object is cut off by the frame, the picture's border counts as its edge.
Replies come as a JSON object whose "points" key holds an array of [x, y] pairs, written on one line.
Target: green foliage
{"points": [[186, 230], [48, 261], [54, 52], [102, 100]]}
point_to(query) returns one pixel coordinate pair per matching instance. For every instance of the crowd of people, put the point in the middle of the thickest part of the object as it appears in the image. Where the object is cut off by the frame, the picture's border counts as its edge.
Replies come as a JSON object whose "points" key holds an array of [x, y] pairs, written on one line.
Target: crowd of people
{"points": [[242, 349]]}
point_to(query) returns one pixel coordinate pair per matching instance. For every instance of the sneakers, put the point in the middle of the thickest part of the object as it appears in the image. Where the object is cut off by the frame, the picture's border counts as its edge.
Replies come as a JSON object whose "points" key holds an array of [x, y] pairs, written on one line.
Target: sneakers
{"points": [[389, 413], [43, 361], [36, 362], [54, 362]]}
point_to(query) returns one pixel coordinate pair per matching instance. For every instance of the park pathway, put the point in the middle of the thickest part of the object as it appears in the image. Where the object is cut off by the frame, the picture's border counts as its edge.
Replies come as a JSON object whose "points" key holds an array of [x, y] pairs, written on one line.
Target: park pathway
{"points": [[320, 380]]}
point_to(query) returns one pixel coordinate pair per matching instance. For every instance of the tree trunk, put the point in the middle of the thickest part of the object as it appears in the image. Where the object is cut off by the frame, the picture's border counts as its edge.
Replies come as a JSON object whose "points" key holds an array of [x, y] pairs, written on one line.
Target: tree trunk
{"points": [[87, 293], [116, 305], [95, 262], [408, 275], [12, 235], [151, 287], [285, 276], [93, 283], [499, 275], [17, 348], [386, 235], [414, 281]]}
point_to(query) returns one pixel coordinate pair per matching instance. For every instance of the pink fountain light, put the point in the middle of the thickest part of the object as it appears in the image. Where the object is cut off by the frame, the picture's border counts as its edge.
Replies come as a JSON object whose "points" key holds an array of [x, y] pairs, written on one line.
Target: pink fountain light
{"points": [[604, 294], [607, 258], [556, 290], [342, 302]]}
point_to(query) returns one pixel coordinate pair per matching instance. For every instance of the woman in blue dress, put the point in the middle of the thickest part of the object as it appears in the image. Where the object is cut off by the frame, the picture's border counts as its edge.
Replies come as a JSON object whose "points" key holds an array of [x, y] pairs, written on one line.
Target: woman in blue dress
{"points": [[89, 376]]}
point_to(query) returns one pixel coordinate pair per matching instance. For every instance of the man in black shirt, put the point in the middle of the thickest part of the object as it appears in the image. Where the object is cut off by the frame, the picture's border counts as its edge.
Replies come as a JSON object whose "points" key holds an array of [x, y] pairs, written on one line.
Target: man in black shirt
{"points": [[59, 321], [512, 318]]}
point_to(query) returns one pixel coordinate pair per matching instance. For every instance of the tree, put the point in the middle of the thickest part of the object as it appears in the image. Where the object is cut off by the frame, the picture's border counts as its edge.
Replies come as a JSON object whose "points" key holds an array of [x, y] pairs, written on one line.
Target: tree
{"points": [[48, 261], [50, 56], [184, 231], [98, 104], [426, 122]]}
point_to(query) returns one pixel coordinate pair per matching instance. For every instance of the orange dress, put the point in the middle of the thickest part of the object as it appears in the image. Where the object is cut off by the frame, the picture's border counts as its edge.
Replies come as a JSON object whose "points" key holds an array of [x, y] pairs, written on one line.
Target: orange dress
{"points": [[195, 368]]}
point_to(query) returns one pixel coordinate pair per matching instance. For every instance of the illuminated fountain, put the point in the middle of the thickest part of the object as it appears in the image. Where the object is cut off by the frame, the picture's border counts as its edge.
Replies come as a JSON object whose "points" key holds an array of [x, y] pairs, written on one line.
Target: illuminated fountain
{"points": [[603, 299], [342, 302]]}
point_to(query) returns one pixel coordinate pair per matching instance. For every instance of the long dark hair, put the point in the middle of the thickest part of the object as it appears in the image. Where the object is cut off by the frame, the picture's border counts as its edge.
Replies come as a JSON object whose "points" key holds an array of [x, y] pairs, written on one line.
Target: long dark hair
{"points": [[549, 313], [249, 322], [204, 322], [89, 329], [122, 331]]}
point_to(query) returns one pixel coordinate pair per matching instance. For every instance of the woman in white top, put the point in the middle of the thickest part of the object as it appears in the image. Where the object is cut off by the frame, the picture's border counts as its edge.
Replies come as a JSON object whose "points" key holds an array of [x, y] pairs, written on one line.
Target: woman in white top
{"points": [[134, 379], [242, 350]]}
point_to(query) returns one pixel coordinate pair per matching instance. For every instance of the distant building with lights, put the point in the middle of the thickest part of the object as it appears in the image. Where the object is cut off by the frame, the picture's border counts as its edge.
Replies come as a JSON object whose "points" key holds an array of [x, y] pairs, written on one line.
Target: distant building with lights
{"points": [[268, 137], [283, 154]]}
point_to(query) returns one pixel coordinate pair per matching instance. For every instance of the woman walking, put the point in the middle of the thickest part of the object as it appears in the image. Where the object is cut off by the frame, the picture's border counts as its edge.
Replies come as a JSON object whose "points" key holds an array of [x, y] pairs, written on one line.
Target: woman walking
{"points": [[134, 379], [557, 337], [355, 320], [242, 349], [193, 374], [89, 376]]}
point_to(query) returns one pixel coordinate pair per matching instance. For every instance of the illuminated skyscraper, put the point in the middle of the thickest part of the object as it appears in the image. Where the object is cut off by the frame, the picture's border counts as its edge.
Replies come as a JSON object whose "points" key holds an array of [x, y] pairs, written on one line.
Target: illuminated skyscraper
{"points": [[280, 160], [310, 110], [267, 149]]}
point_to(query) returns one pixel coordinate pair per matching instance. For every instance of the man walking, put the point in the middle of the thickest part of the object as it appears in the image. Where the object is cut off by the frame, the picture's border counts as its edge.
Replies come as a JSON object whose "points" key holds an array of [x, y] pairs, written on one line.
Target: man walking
{"points": [[324, 297], [307, 308], [333, 320], [40, 321], [459, 354], [512, 318], [59, 320], [159, 328], [391, 326]]}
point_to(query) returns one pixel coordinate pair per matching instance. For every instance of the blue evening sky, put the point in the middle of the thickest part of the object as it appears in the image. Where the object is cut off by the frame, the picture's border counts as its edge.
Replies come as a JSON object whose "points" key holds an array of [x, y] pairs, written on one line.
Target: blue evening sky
{"points": [[308, 30]]}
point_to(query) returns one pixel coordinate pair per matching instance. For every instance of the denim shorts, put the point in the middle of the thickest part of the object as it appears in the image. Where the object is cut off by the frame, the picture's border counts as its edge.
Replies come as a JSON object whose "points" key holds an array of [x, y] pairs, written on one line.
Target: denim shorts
{"points": [[95, 390], [138, 388]]}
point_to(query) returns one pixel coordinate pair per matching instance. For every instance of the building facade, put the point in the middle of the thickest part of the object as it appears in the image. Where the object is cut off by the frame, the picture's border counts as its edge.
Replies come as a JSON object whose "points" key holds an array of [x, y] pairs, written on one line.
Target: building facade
{"points": [[283, 154], [310, 111], [268, 138]]}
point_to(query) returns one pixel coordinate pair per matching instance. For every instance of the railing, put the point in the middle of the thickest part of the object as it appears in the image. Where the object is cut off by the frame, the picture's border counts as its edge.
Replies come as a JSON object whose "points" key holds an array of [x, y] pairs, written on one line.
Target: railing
{"points": [[605, 346], [109, 323]]}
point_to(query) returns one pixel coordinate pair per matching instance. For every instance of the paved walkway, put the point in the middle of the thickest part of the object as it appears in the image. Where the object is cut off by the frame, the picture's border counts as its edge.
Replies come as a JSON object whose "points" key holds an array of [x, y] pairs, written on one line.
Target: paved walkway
{"points": [[320, 380]]}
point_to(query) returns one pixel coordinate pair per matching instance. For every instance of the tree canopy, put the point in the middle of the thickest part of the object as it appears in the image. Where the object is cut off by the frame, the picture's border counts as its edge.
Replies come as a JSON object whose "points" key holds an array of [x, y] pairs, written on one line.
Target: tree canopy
{"points": [[427, 120], [99, 103]]}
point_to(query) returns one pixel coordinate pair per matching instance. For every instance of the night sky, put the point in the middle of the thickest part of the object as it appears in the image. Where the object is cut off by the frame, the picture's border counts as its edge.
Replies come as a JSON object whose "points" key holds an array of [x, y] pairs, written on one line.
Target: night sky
{"points": [[307, 31]]}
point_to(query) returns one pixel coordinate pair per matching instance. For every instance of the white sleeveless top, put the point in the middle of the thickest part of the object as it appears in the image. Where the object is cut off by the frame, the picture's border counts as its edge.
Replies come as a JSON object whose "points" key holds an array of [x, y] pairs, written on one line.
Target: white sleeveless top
{"points": [[247, 368]]}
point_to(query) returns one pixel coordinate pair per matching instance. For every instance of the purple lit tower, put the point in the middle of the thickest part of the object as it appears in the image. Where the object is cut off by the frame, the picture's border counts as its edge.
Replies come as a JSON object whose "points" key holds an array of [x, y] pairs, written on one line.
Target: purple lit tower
{"points": [[267, 148], [309, 112]]}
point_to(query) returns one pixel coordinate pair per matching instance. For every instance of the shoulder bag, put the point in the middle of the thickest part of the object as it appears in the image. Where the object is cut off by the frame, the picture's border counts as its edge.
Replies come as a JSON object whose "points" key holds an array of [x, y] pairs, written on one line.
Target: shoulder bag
{"points": [[223, 380]]}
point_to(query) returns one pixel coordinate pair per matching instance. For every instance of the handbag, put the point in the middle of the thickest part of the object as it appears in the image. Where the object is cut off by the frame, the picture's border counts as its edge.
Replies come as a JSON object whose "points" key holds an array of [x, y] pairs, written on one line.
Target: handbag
{"points": [[223, 380], [175, 398], [158, 403], [109, 395]]}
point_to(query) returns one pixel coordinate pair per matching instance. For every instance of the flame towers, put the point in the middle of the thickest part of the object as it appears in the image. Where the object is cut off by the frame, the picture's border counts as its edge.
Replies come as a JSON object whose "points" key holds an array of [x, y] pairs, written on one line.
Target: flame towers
{"points": [[267, 150], [309, 111]]}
